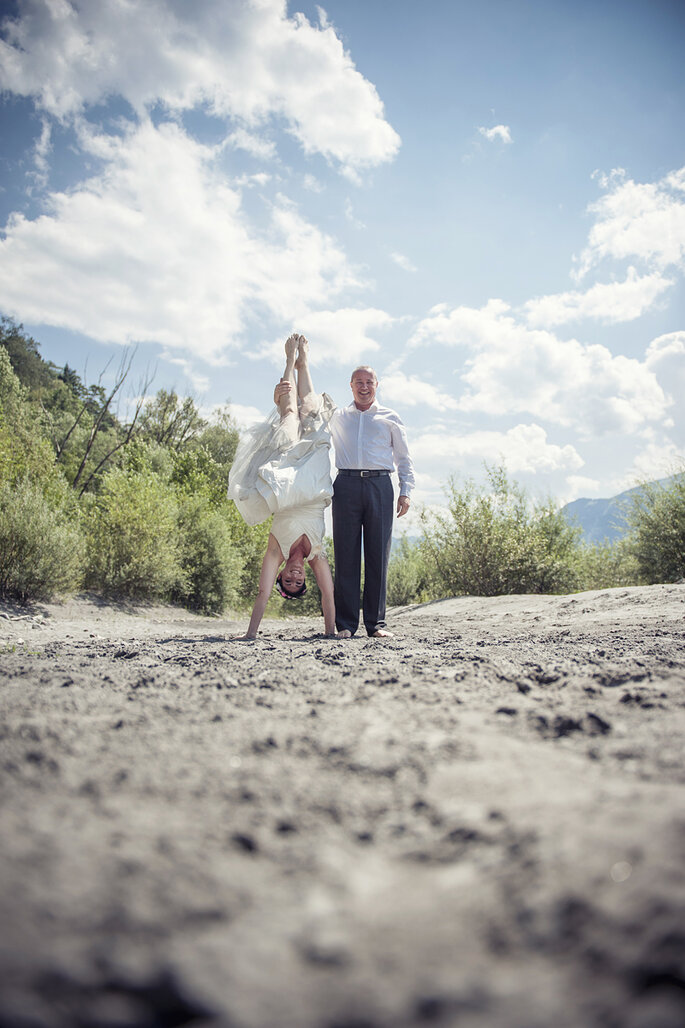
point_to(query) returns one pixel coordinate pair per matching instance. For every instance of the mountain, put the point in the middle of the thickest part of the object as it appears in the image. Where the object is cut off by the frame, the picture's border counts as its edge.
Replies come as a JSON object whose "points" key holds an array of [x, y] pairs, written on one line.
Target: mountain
{"points": [[603, 520]]}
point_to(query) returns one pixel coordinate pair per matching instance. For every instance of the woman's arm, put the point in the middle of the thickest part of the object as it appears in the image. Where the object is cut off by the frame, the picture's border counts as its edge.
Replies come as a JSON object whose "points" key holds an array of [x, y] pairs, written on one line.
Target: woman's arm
{"points": [[324, 580], [273, 558]]}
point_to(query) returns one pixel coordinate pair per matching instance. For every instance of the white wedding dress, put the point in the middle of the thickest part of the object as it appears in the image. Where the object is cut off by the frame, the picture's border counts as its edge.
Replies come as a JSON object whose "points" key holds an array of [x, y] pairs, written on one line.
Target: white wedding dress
{"points": [[282, 468]]}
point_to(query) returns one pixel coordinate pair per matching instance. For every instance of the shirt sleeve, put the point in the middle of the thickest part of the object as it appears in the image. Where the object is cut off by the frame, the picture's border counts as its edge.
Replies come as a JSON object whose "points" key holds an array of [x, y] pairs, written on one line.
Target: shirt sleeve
{"points": [[404, 463]]}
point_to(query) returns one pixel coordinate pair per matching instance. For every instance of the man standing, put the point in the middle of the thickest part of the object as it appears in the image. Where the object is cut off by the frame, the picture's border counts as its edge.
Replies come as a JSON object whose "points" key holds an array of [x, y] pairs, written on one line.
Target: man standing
{"points": [[370, 442]]}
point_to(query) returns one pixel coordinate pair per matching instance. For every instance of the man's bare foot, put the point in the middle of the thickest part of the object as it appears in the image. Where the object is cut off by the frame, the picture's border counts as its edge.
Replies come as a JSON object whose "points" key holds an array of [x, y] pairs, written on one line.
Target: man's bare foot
{"points": [[382, 633], [302, 353], [291, 346], [344, 634]]}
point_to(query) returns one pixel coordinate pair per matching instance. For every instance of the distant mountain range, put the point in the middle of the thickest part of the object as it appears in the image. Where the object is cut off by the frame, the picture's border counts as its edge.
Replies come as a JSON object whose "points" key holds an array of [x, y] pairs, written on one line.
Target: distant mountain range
{"points": [[603, 520]]}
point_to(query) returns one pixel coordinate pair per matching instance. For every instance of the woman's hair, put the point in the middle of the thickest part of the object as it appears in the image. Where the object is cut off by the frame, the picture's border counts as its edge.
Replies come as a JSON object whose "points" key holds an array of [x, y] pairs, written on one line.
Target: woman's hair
{"points": [[286, 594]]}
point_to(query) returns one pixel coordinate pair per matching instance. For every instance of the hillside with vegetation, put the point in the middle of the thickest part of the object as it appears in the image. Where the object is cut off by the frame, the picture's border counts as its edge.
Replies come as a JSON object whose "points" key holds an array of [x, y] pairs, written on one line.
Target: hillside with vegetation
{"points": [[137, 507]]}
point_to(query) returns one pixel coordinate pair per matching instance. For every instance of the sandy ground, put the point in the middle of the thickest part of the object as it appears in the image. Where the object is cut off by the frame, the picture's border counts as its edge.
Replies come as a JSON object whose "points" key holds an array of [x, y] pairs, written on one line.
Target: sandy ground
{"points": [[480, 822]]}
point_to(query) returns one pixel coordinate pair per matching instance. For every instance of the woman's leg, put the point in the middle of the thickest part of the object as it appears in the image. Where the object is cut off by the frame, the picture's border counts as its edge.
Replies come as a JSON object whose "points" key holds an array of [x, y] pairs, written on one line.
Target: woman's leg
{"points": [[304, 378], [288, 403]]}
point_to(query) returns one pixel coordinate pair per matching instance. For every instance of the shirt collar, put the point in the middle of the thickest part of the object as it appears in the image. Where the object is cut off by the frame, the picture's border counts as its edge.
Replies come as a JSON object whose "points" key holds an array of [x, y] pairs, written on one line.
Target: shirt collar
{"points": [[374, 407]]}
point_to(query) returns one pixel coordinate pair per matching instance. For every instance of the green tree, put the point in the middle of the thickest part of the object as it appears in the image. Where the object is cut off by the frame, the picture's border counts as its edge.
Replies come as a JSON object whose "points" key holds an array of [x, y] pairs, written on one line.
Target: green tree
{"points": [[31, 370], [499, 541], [656, 527], [133, 538], [210, 562], [170, 421], [24, 450]]}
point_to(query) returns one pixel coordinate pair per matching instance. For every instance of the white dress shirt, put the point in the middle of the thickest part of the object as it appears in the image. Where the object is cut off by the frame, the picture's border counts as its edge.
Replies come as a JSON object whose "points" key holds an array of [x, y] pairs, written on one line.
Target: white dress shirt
{"points": [[372, 440]]}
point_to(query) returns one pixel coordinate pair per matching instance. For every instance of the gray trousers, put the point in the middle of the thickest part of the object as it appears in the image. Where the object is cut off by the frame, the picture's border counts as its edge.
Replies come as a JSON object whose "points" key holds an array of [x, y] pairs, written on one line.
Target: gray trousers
{"points": [[363, 510]]}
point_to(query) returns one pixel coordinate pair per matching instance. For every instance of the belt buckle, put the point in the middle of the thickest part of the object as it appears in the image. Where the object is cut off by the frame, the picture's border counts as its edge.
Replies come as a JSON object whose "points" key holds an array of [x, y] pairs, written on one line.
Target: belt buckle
{"points": [[364, 474]]}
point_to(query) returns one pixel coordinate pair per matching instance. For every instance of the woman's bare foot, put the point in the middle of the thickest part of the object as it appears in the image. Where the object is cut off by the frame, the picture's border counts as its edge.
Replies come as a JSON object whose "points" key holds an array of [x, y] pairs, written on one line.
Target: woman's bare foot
{"points": [[344, 634], [382, 633], [291, 346], [302, 353]]}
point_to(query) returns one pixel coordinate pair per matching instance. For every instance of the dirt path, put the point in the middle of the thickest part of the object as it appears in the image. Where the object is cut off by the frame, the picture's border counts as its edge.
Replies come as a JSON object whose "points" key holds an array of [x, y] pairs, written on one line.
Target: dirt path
{"points": [[480, 822]]}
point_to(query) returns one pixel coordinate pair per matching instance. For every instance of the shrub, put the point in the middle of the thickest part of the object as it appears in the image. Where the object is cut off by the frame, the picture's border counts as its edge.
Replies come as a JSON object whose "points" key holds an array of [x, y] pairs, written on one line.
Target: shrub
{"points": [[41, 543], [133, 541], [210, 561], [409, 575], [24, 450], [500, 542], [656, 526], [606, 565]]}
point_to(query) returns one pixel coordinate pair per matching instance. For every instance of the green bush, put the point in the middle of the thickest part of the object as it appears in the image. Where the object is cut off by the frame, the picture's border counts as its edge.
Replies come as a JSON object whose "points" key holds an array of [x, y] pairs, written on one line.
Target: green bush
{"points": [[409, 575], [606, 565], [133, 539], [656, 527], [210, 561], [498, 542], [41, 543], [24, 449]]}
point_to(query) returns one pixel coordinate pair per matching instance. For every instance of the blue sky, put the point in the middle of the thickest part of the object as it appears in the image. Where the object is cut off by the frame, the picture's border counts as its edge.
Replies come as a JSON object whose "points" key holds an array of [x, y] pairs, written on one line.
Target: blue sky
{"points": [[486, 202]]}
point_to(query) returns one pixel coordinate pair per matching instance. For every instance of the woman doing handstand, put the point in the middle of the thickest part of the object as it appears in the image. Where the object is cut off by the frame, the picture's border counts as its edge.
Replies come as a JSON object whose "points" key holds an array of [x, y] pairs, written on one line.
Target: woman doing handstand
{"points": [[282, 468]]}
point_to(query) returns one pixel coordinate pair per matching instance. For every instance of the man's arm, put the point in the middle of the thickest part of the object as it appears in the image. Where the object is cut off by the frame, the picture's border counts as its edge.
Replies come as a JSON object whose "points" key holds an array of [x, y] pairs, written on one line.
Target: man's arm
{"points": [[324, 580], [267, 577], [405, 466]]}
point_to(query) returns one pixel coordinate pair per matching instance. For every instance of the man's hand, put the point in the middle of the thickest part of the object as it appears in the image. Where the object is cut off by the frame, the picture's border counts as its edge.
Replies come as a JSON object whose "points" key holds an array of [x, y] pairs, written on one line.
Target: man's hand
{"points": [[402, 505], [282, 389]]}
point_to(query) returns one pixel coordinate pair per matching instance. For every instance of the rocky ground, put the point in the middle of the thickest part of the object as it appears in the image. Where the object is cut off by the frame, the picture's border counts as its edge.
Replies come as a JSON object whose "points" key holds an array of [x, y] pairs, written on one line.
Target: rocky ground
{"points": [[480, 822]]}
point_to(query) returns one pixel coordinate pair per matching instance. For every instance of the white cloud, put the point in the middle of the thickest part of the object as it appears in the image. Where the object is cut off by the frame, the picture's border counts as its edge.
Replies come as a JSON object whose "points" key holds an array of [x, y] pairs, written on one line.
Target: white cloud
{"points": [[523, 448], [637, 220], [410, 391], [610, 302], [200, 383], [512, 369], [312, 183], [157, 248], [500, 132], [245, 61], [41, 153], [344, 337], [580, 486], [670, 345], [402, 262], [241, 139], [665, 358], [658, 459], [245, 417]]}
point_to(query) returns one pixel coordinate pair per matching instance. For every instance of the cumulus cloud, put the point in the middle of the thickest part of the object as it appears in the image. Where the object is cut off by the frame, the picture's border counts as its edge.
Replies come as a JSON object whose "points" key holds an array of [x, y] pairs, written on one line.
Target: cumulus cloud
{"points": [[664, 347], [665, 358], [158, 248], [342, 337], [241, 139], [637, 220], [524, 448], [411, 391], [244, 61], [510, 368], [245, 417], [610, 302], [500, 132]]}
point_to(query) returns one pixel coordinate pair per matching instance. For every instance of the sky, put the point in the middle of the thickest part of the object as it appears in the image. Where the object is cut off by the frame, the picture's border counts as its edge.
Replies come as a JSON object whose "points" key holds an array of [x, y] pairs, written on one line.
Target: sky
{"points": [[484, 201]]}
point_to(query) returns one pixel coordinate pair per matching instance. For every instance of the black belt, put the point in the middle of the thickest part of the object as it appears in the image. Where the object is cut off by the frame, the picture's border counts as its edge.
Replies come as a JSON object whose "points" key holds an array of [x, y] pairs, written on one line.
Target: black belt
{"points": [[363, 474]]}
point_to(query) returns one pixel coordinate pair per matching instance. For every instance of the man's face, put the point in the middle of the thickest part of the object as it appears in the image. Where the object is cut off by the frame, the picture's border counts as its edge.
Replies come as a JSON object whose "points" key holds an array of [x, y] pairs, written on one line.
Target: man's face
{"points": [[364, 387]]}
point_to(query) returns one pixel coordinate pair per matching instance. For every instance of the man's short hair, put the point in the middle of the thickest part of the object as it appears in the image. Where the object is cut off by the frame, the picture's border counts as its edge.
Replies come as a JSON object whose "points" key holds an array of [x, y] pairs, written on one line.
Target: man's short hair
{"points": [[363, 367]]}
